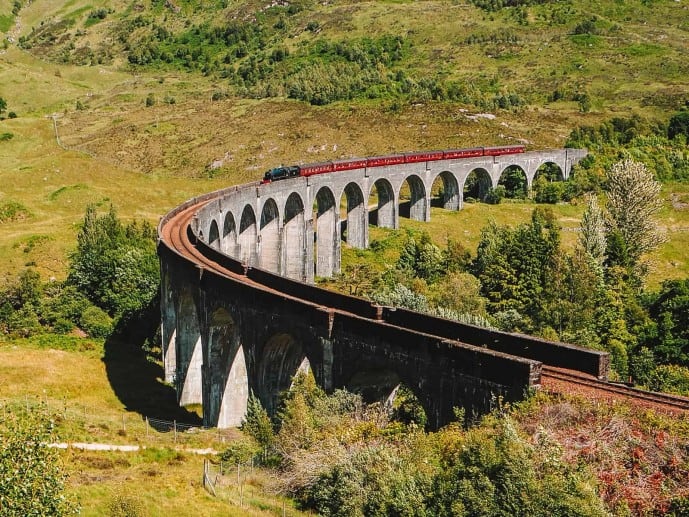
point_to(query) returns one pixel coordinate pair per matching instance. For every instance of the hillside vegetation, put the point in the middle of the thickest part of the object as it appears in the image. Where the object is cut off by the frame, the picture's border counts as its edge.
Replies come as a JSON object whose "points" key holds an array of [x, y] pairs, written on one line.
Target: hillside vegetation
{"points": [[140, 105]]}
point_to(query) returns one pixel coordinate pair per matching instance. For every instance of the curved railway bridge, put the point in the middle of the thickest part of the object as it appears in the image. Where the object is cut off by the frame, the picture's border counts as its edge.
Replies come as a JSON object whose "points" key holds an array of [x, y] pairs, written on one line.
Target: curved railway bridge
{"points": [[240, 315]]}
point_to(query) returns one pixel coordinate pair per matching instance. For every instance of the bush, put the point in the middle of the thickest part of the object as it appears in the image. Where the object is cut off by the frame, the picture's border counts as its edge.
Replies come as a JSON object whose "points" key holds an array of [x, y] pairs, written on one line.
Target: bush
{"points": [[31, 480], [679, 125], [96, 322], [670, 378], [495, 195], [241, 451], [124, 505], [548, 191]]}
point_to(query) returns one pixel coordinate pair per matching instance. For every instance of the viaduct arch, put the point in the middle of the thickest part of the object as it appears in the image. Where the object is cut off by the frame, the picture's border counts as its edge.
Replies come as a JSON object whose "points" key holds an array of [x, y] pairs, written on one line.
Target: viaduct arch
{"points": [[239, 313]]}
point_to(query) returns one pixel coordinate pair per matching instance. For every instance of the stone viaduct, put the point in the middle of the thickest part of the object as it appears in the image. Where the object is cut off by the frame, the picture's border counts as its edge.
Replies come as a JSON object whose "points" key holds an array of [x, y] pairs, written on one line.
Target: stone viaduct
{"points": [[239, 313]]}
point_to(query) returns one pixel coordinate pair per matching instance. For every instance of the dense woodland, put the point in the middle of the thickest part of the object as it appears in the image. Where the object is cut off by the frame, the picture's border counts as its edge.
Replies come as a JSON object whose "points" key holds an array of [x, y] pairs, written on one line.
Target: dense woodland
{"points": [[333, 454]]}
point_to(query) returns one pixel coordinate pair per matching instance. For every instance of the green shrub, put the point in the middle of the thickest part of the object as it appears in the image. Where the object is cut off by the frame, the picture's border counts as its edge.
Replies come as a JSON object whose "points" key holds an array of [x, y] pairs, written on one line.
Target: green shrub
{"points": [[495, 195], [96, 322], [548, 191], [670, 378], [13, 211], [679, 125], [31, 479], [125, 505]]}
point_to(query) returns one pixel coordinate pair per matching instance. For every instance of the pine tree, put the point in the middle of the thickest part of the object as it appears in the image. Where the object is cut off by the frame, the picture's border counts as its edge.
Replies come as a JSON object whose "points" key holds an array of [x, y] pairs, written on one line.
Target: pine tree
{"points": [[257, 422], [592, 237]]}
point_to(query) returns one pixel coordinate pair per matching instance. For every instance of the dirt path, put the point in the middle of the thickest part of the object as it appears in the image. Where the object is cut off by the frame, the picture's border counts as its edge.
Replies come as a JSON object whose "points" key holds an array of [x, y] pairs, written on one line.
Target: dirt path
{"points": [[121, 448]]}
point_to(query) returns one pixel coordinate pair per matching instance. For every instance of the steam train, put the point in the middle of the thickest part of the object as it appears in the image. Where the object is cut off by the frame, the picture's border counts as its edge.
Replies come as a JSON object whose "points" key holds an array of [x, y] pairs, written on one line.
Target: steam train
{"points": [[283, 172]]}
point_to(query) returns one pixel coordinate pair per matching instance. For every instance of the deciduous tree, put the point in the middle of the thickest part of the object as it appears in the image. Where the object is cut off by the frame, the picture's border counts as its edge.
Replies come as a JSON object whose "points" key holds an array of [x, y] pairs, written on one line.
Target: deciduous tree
{"points": [[32, 481], [633, 202]]}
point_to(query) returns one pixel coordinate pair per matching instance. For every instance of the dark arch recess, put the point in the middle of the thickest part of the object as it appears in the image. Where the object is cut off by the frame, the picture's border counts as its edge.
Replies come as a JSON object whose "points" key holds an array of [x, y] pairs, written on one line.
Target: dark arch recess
{"points": [[282, 357]]}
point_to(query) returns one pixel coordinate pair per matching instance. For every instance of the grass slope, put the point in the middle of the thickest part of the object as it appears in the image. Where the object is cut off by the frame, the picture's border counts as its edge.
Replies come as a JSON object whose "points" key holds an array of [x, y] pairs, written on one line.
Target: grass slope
{"points": [[72, 377]]}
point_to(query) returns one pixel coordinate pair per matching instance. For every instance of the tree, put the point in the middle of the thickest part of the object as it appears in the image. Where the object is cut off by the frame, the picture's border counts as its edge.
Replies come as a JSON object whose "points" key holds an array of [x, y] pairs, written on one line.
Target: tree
{"points": [[257, 422], [3, 106], [668, 309], [423, 259], [679, 125], [515, 266], [460, 292], [114, 265], [31, 480], [633, 202], [592, 236], [514, 180]]}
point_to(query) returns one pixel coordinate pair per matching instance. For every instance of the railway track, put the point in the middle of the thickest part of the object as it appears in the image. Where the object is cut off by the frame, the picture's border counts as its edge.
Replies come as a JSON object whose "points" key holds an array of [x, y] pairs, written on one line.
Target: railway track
{"points": [[173, 232], [558, 380]]}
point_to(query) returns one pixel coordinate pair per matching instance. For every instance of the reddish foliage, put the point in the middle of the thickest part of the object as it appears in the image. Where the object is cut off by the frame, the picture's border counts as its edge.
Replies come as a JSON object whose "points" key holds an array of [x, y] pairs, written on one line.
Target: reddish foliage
{"points": [[636, 462]]}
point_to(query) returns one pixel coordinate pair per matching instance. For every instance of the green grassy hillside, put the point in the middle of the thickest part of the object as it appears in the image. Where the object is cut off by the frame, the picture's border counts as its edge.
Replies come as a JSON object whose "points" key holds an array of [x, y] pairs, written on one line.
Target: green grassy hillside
{"points": [[216, 100], [157, 101]]}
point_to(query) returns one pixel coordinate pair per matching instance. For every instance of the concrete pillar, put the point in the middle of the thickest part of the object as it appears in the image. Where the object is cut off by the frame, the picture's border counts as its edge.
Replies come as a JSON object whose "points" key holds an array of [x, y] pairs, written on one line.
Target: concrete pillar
{"points": [[387, 213], [229, 237], [293, 241], [419, 205], [327, 234], [225, 377], [191, 391], [357, 217], [188, 378], [309, 243], [248, 237], [236, 394], [167, 325], [269, 238], [451, 197]]}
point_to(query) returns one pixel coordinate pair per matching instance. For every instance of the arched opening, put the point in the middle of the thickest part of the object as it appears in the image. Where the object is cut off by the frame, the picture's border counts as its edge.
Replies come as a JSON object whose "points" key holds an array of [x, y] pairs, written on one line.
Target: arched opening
{"points": [[282, 358], [513, 180], [412, 198], [269, 242], [354, 228], [550, 171], [445, 191], [228, 379], [548, 184], [382, 196], [229, 235], [247, 236], [374, 385], [325, 236], [476, 185], [385, 386], [214, 236], [294, 238]]}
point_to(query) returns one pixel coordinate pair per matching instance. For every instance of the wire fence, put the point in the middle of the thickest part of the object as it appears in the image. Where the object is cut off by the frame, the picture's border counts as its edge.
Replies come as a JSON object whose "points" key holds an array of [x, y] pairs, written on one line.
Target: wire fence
{"points": [[235, 482], [77, 422]]}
